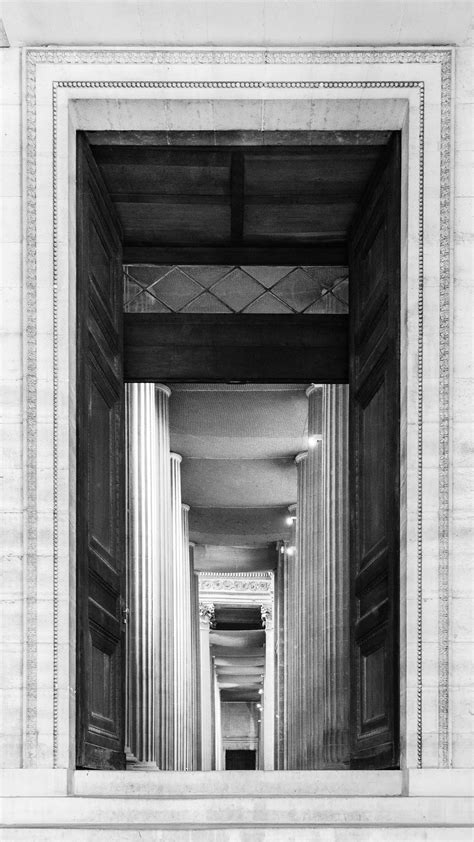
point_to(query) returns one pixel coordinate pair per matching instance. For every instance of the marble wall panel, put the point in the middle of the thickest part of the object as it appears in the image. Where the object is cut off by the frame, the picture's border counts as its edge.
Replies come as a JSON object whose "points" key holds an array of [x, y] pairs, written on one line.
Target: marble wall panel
{"points": [[11, 427], [462, 468]]}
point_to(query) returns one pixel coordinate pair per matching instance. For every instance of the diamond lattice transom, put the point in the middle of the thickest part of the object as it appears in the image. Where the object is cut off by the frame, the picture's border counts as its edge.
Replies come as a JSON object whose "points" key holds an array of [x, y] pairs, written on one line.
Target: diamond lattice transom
{"points": [[236, 289]]}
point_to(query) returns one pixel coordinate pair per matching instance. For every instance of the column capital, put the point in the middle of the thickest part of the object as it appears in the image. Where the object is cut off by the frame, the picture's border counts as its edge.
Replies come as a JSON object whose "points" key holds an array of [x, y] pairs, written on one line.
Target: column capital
{"points": [[292, 508], [185, 507], [301, 457], [314, 389], [160, 387], [266, 614], [206, 614], [175, 457]]}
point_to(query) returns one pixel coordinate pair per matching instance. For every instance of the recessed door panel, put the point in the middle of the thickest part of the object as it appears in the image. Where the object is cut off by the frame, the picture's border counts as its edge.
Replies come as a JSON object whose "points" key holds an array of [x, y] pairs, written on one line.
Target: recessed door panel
{"points": [[100, 476], [374, 319]]}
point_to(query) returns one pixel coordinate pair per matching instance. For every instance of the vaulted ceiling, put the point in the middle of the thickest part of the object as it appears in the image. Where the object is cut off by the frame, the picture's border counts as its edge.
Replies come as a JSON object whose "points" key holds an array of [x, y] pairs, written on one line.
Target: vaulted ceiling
{"points": [[238, 444]]}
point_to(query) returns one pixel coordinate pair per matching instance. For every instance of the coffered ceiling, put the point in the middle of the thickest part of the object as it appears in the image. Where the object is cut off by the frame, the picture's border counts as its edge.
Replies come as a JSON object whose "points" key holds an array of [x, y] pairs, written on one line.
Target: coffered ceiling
{"points": [[219, 198]]}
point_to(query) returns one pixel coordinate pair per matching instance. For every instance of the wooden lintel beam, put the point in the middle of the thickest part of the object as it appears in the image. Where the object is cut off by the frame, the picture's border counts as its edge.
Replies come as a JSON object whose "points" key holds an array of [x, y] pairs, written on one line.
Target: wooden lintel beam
{"points": [[322, 254], [240, 347]]}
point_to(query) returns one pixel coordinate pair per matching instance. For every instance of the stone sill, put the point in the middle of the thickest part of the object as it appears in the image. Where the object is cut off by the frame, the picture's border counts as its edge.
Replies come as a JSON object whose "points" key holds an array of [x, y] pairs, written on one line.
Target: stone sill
{"points": [[215, 812], [239, 785]]}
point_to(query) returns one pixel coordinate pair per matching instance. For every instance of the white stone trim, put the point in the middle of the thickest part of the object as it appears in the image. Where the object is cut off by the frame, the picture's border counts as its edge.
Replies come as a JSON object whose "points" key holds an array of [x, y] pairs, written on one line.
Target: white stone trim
{"points": [[54, 78], [236, 588]]}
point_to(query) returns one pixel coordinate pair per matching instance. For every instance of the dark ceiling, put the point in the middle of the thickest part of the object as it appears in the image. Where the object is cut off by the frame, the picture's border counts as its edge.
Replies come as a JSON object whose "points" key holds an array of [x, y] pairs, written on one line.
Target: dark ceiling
{"points": [[228, 196]]}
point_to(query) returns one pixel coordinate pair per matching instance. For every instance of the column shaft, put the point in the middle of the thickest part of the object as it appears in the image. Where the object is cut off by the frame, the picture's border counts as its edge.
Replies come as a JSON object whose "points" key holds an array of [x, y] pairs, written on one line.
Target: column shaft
{"points": [[188, 653], [269, 692], [195, 664], [292, 699], [163, 612], [314, 589], [143, 425], [206, 612], [217, 722], [301, 659], [281, 688], [181, 618], [335, 614]]}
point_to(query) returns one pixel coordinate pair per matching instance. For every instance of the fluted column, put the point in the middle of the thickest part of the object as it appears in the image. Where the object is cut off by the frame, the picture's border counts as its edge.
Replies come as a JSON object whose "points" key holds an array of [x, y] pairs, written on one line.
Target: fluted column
{"points": [[187, 648], [162, 594], [206, 615], [301, 654], [291, 649], [195, 664], [217, 721], [180, 625], [281, 688], [268, 690], [146, 426], [335, 614], [314, 586]]}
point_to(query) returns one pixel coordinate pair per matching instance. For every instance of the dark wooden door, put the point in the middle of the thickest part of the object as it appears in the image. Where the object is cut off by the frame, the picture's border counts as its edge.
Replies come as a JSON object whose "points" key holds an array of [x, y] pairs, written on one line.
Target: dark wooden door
{"points": [[374, 261], [100, 474]]}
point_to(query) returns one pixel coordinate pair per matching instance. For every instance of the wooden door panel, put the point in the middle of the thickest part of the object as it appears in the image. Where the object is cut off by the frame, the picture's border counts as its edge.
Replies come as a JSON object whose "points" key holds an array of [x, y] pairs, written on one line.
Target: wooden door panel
{"points": [[374, 318], [372, 467], [103, 701], [100, 476], [374, 685]]}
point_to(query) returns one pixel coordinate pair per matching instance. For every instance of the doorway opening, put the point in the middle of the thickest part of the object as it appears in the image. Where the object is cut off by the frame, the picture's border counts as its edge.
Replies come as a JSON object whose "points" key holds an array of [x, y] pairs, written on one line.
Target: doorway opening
{"points": [[240, 759], [269, 264]]}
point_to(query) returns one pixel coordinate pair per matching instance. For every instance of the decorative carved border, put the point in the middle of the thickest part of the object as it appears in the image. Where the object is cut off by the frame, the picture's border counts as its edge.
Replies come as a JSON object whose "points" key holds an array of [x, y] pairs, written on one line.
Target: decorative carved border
{"points": [[38, 56], [246, 584]]}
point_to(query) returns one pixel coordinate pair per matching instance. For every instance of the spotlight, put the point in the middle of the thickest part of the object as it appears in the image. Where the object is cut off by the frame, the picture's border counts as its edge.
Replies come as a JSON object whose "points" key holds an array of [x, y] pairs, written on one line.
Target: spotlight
{"points": [[289, 520], [290, 551], [260, 691], [313, 440]]}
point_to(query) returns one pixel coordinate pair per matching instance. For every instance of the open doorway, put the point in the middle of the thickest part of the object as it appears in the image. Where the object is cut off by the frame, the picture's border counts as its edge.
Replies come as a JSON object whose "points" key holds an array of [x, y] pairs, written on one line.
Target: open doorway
{"points": [[297, 208], [250, 473]]}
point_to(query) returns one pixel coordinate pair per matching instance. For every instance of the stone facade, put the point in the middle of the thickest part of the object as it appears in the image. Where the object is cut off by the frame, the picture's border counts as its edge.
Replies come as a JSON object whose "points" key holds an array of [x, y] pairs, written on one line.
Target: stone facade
{"points": [[46, 95]]}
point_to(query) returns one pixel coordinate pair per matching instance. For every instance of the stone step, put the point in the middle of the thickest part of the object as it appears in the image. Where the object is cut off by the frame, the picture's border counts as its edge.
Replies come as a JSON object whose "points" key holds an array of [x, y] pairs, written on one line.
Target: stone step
{"points": [[381, 833], [211, 813], [237, 783]]}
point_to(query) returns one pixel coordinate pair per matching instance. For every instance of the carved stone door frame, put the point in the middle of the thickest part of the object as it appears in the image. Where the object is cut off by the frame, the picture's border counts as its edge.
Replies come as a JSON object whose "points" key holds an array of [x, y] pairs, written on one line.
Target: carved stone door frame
{"points": [[215, 90]]}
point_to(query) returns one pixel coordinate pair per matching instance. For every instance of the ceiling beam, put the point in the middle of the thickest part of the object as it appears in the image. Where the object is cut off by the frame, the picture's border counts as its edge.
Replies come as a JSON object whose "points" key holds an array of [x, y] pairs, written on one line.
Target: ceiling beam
{"points": [[236, 348], [222, 651], [219, 156], [319, 254], [323, 195], [240, 660]]}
